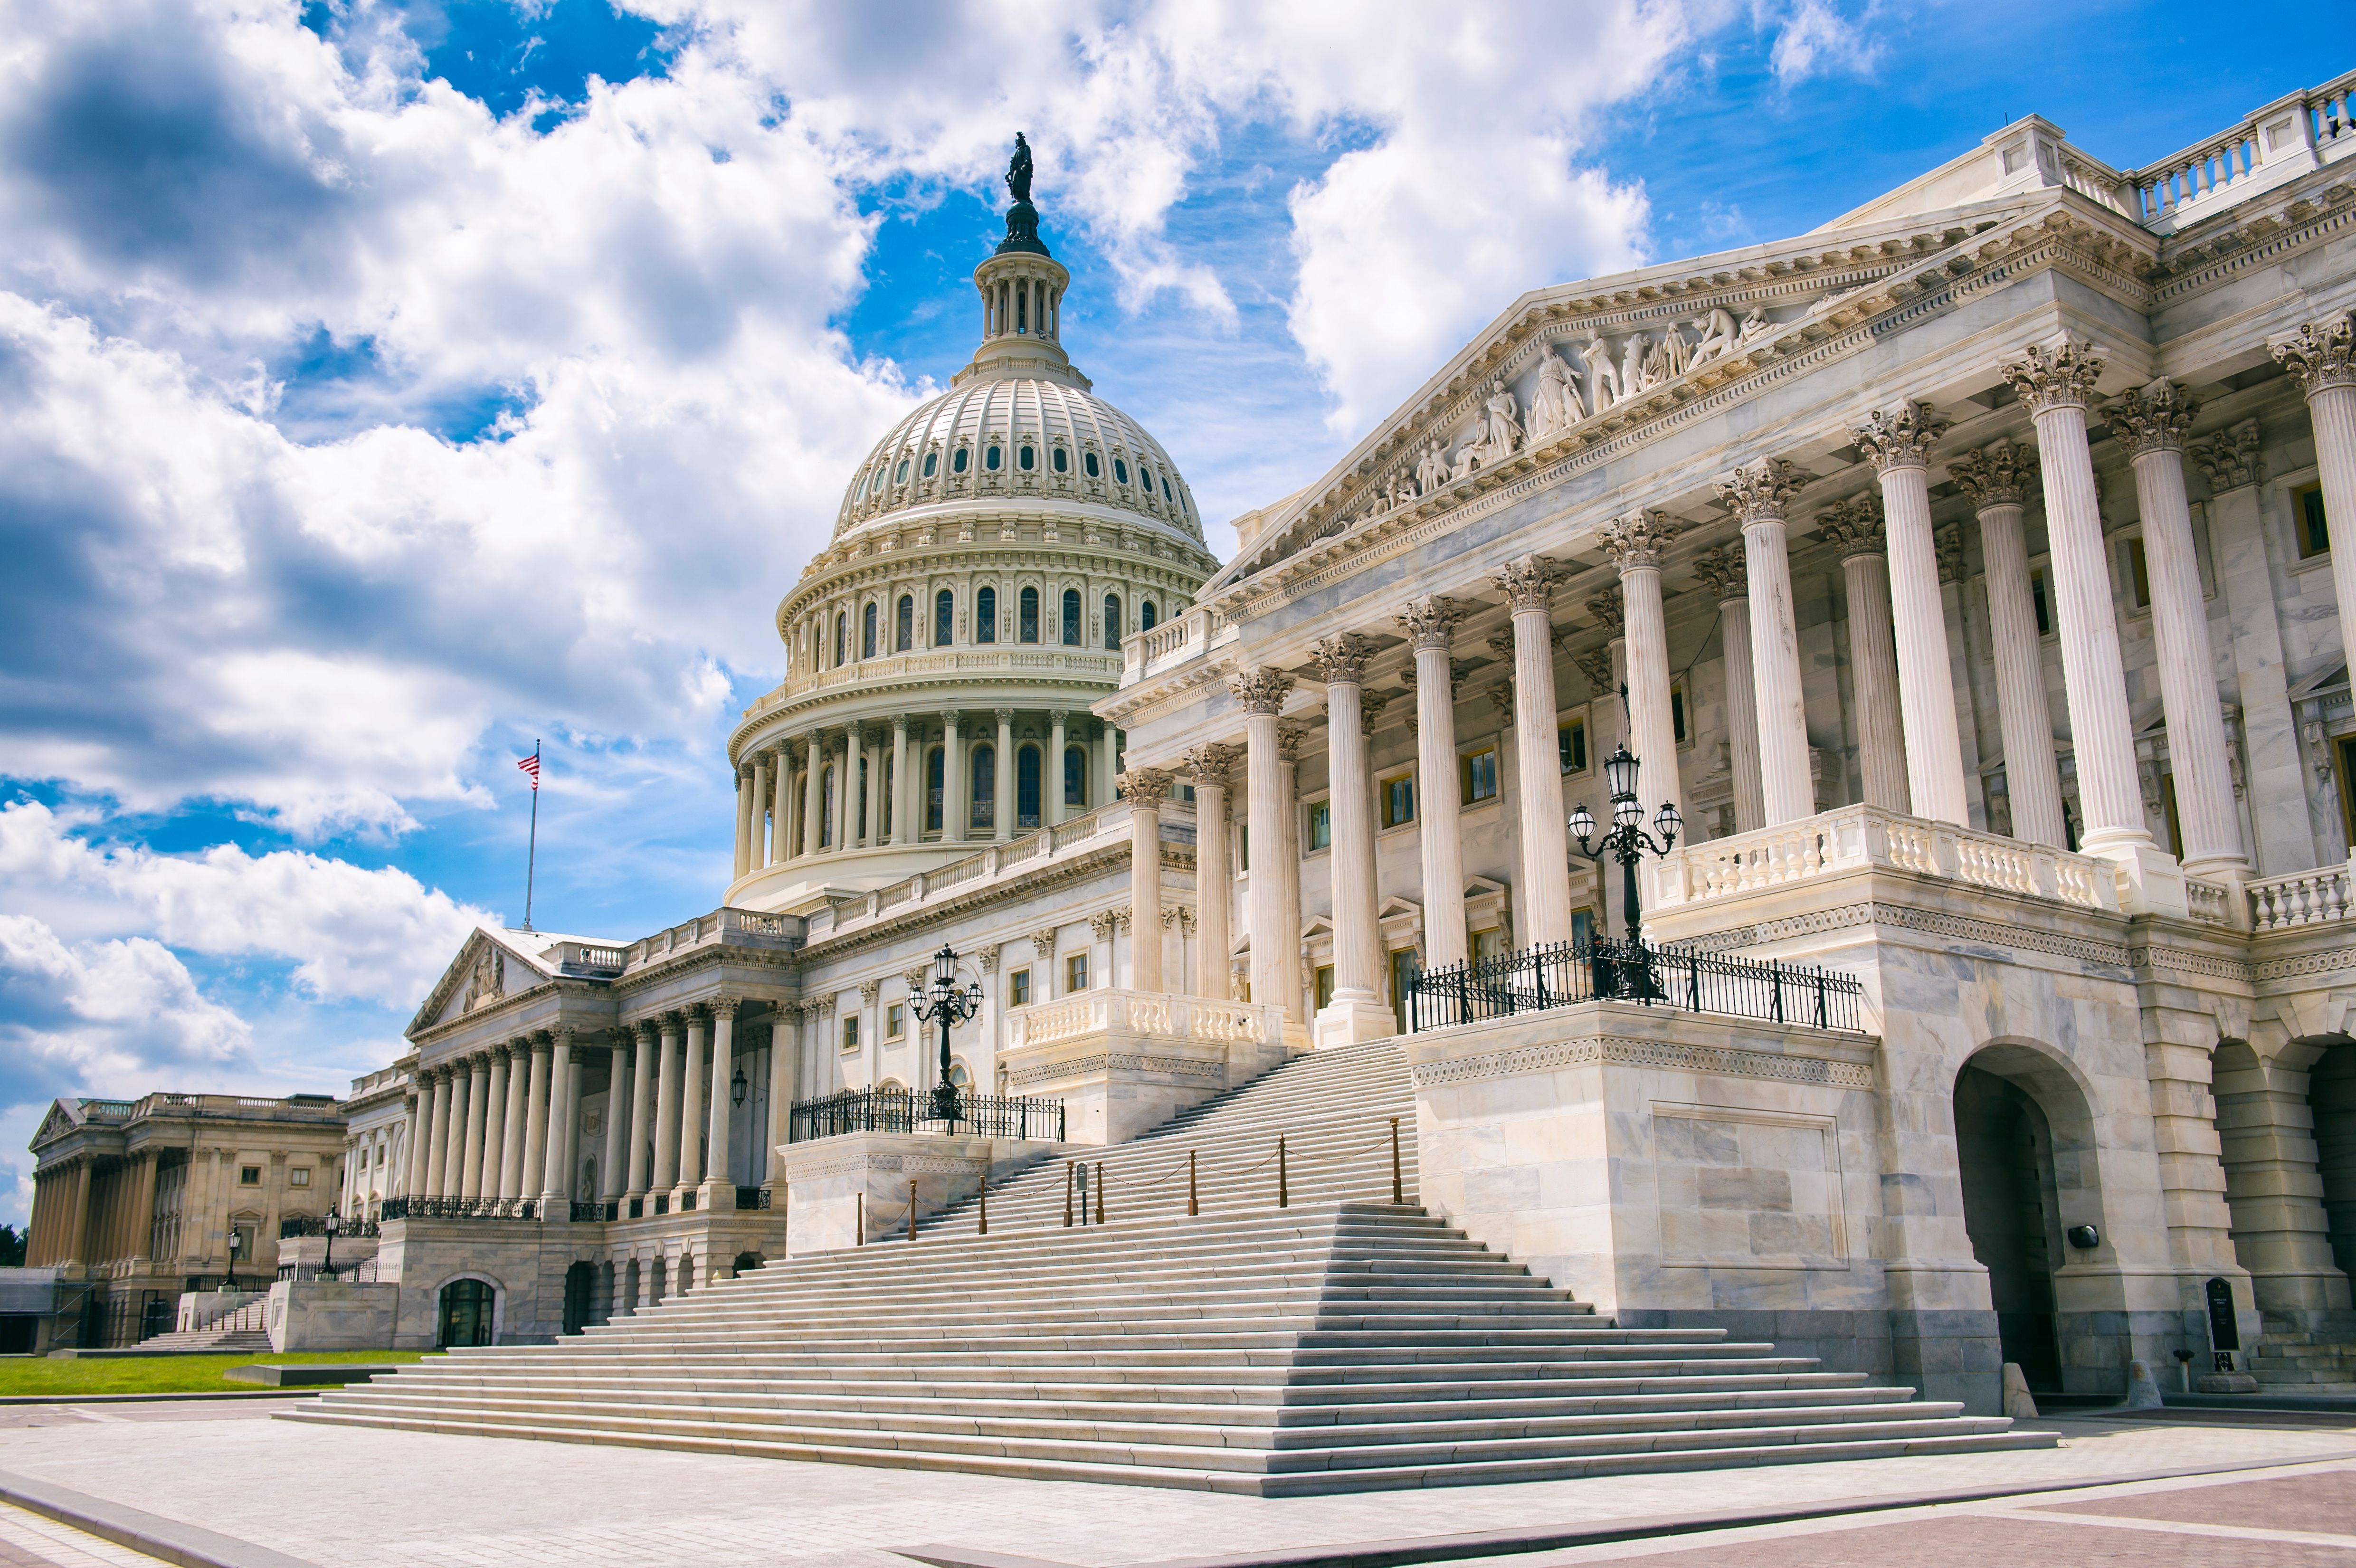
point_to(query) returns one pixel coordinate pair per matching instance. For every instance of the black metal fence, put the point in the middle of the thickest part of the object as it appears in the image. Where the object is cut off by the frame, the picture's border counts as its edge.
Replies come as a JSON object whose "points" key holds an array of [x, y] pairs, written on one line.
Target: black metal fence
{"points": [[460, 1209], [911, 1111], [304, 1225], [1563, 973]]}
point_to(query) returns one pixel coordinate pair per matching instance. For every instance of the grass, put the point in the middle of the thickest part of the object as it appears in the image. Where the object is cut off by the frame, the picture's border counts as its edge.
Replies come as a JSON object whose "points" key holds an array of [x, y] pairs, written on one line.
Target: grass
{"points": [[159, 1374]]}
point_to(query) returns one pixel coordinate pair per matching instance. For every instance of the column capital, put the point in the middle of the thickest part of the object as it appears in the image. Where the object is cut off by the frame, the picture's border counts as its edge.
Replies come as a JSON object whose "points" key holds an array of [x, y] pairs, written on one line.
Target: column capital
{"points": [[648, 1031], [1609, 606], [1209, 763], [1947, 545], [869, 990], [1004, 716], [563, 1034], [2320, 354], [1431, 621], [1370, 707], [2229, 459], [1149, 783], [1758, 493], [1529, 582], [1596, 665], [899, 724], [1102, 924], [726, 1006], [1999, 473], [1042, 942], [1288, 735], [1261, 690], [1058, 715], [1721, 572], [1637, 539], [951, 719], [1855, 527], [913, 979], [2061, 374], [2156, 419], [987, 956], [1902, 439], [1342, 658]]}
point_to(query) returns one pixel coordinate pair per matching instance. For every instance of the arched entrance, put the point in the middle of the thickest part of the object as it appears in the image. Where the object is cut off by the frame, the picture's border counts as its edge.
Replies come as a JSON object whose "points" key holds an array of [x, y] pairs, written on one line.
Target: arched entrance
{"points": [[466, 1316], [580, 1281], [2331, 1096]]}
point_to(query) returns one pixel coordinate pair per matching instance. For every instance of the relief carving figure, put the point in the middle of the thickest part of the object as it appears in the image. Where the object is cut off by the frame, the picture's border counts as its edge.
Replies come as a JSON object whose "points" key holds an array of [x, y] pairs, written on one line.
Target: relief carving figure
{"points": [[1468, 457], [1676, 354], [1501, 424], [1632, 366], [1554, 405], [1603, 375], [1756, 325], [1430, 469], [1718, 336]]}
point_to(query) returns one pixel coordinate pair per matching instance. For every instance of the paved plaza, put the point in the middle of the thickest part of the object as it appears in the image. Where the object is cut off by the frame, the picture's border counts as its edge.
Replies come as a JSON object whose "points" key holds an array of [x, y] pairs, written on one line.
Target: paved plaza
{"points": [[2261, 1491]]}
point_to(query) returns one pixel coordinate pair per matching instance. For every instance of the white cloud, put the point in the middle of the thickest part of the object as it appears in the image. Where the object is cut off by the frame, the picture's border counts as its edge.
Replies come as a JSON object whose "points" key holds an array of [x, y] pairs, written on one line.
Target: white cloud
{"points": [[1817, 40], [98, 1017]]}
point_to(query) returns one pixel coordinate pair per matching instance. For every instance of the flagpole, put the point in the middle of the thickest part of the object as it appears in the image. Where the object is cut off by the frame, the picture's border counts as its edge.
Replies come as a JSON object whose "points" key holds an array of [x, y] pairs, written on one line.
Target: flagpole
{"points": [[531, 854]]}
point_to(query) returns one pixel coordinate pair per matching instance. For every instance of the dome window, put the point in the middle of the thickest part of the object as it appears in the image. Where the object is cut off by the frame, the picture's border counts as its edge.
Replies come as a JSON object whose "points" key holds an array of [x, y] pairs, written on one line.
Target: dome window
{"points": [[932, 464], [1025, 458], [1062, 460], [1145, 478], [1145, 615], [1088, 462], [900, 474], [990, 459], [957, 463], [1165, 490], [1121, 470]]}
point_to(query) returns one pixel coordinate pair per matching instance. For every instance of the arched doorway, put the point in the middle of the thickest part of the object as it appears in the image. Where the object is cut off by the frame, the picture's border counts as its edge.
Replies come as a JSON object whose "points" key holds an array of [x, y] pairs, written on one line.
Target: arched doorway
{"points": [[2331, 1096], [2005, 1149], [745, 1264], [580, 1281], [466, 1316]]}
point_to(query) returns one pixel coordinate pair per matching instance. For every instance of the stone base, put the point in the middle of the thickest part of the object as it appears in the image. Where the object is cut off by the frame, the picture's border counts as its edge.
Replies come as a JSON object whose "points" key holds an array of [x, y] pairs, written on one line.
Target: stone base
{"points": [[1123, 1061], [317, 1314], [850, 1190], [2226, 1383], [1347, 1023]]}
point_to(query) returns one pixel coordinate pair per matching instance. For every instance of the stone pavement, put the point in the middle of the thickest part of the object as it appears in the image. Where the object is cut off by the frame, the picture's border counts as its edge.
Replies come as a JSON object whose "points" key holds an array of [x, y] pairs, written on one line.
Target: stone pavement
{"points": [[362, 1497], [28, 1540]]}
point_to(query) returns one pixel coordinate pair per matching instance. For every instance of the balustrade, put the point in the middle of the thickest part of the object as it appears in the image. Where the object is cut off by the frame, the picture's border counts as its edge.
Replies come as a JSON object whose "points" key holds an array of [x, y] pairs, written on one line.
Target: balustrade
{"points": [[2287, 137], [2302, 899], [1151, 1014]]}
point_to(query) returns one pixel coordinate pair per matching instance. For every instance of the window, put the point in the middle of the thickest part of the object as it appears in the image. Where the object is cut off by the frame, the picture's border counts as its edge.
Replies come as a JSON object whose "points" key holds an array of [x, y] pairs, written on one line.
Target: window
{"points": [[991, 458], [2346, 750], [1488, 944], [1677, 711], [851, 1034], [1570, 740], [935, 764], [1025, 458], [1324, 986], [1088, 462], [1243, 846], [1075, 973], [2137, 572], [826, 808], [298, 1175], [905, 633], [1404, 967], [2037, 598], [841, 636], [932, 464], [1398, 799], [985, 613], [1026, 787], [944, 616], [1076, 775], [867, 631], [984, 812], [895, 1020], [1320, 832], [1071, 617], [1145, 615], [1027, 629], [1165, 490], [1112, 623], [900, 474], [957, 464], [1582, 929], [249, 1175], [1060, 460], [1018, 989], [1120, 471], [1145, 478], [1478, 772], [2307, 510]]}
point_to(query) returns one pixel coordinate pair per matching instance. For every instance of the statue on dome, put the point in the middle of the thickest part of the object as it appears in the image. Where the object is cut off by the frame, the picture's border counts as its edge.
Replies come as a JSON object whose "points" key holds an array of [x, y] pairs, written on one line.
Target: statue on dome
{"points": [[1022, 219], [1017, 170]]}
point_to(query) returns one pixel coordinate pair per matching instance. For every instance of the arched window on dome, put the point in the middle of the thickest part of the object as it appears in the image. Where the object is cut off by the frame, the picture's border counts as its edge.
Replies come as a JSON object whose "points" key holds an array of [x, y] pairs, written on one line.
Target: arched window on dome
{"points": [[841, 637], [1145, 615], [1145, 478], [984, 813], [826, 806], [1076, 775], [936, 766], [1027, 629], [1026, 457], [991, 458], [1071, 617], [944, 617], [1120, 471], [1112, 623], [867, 631], [1165, 490], [1061, 460], [1088, 463], [985, 615], [900, 474], [932, 464], [1026, 788], [905, 639], [957, 463]]}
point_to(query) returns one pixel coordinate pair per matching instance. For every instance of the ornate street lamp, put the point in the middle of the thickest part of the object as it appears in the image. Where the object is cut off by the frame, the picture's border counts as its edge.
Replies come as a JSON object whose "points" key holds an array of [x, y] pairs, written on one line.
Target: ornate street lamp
{"points": [[235, 1241], [947, 1003], [328, 1256], [1627, 841], [736, 1088]]}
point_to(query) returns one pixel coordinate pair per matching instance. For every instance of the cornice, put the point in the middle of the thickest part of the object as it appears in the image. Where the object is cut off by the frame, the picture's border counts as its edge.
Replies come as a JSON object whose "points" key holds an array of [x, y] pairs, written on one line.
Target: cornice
{"points": [[841, 569], [2233, 241]]}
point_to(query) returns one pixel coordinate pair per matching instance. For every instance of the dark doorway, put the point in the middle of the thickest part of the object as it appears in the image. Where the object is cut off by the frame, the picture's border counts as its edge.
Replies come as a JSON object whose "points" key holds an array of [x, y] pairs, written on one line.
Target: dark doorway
{"points": [[2331, 1096], [579, 1281], [466, 1316], [2010, 1211]]}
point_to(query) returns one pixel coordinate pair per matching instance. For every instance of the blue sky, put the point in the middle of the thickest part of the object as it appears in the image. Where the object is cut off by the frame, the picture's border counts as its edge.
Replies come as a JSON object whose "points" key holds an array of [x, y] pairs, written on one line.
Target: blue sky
{"points": [[385, 386]]}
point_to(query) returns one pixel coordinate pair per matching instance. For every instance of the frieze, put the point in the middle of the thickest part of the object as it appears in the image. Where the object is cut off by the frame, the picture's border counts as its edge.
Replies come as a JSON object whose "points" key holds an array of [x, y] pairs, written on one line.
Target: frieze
{"points": [[1933, 922], [1668, 1056], [1105, 1061], [906, 1165], [2300, 965], [2211, 966]]}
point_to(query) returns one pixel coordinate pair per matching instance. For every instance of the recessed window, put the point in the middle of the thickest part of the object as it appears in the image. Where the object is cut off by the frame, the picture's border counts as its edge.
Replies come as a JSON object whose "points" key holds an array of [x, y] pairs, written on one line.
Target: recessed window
{"points": [[932, 464], [1075, 973], [298, 1175], [1076, 775], [985, 613], [867, 631], [1026, 460], [1027, 627], [900, 474], [1397, 794], [1570, 740], [1121, 470], [1026, 787], [935, 764], [1165, 490], [1071, 617], [851, 1032], [1145, 615], [904, 631], [895, 1020], [1324, 986], [2137, 573], [1062, 460], [1112, 623], [1677, 711], [944, 616], [1321, 825], [1478, 773], [841, 636], [1018, 989], [991, 458], [2037, 599], [957, 463], [2314, 534], [984, 812], [1145, 478], [1088, 463], [249, 1175]]}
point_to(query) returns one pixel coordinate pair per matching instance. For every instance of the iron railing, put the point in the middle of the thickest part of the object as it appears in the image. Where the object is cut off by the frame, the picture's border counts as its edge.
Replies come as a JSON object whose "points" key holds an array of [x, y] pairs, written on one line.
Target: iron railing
{"points": [[1562, 974], [460, 1209], [751, 1197], [911, 1111], [304, 1225], [587, 1213]]}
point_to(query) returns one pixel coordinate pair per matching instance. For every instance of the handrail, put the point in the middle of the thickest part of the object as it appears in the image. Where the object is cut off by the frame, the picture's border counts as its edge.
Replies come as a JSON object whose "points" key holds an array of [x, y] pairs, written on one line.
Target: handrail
{"points": [[911, 1111], [1564, 974]]}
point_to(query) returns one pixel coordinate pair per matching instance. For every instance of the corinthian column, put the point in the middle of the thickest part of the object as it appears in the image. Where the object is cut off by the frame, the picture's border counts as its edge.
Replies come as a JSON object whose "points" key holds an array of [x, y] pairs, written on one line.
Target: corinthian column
{"points": [[1528, 585], [512, 1110], [1996, 479], [1758, 496], [2321, 357], [1262, 693], [2151, 424], [2055, 383], [813, 795], [641, 1090], [1854, 528], [1147, 789], [427, 1182], [718, 1182], [1900, 446], [748, 796], [1431, 625], [1002, 778], [1721, 572], [955, 801], [1214, 938], [777, 776], [1634, 544], [667, 1106], [691, 1104], [614, 1167], [478, 1091], [846, 792], [1051, 777], [897, 796], [539, 1090], [1357, 1011], [556, 1157]]}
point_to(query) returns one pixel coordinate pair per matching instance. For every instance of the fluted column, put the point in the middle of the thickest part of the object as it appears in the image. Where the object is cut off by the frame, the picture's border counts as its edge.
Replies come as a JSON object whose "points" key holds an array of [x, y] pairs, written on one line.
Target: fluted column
{"points": [[1357, 1011], [1758, 496], [1529, 586], [2321, 357], [642, 1110], [1209, 770], [1261, 694], [813, 801], [1899, 445], [666, 1123], [512, 1115], [478, 1091], [901, 793], [717, 1158], [846, 792], [556, 1160], [1854, 528], [1051, 775], [1430, 623], [1002, 778], [1634, 544], [568, 1183], [747, 793], [1997, 478], [955, 797], [1722, 574], [1107, 746], [2056, 383], [785, 1072], [431, 1150], [776, 773], [532, 1168], [1147, 789], [692, 1085], [614, 1162], [2151, 424], [458, 1084]]}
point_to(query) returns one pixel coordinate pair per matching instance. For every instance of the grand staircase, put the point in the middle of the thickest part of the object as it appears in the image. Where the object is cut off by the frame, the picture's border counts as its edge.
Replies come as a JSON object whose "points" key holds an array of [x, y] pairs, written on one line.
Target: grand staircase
{"points": [[1340, 1343], [246, 1329]]}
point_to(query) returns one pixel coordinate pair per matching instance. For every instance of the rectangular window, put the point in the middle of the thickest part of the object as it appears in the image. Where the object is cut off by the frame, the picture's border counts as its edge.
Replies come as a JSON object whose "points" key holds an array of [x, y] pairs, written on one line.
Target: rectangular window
{"points": [[2037, 598], [1677, 710], [1243, 847], [1582, 929], [1321, 825], [1404, 969], [2306, 509], [1478, 773], [298, 1175], [1324, 986], [1398, 799], [895, 1021], [1571, 741], [851, 1034], [1018, 989], [1075, 973], [2137, 575], [1489, 944], [249, 1175]]}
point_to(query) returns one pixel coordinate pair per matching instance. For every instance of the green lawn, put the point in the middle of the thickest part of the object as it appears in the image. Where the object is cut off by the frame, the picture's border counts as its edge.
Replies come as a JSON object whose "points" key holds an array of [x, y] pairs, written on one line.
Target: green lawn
{"points": [[157, 1374]]}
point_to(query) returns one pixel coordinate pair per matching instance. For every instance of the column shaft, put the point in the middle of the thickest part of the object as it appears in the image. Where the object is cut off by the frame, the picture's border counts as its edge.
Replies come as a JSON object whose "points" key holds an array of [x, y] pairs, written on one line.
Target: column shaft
{"points": [[1741, 714], [1875, 684], [846, 793], [955, 797], [1146, 788], [1002, 778], [1052, 775], [746, 797], [1264, 777], [642, 1110], [723, 1062], [1787, 792], [567, 1185], [901, 792], [1933, 746], [784, 1073], [2197, 756], [470, 1154], [2032, 780], [692, 1085], [432, 1151], [538, 1085], [614, 1164], [511, 1140], [1357, 940], [1652, 720], [667, 1106], [813, 795], [1440, 837], [779, 773], [552, 1178], [1214, 884]]}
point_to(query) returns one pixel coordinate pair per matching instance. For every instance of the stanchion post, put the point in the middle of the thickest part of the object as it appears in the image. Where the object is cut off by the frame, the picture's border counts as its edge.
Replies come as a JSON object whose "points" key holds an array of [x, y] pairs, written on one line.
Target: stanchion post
{"points": [[912, 1211], [1101, 1192], [1399, 1189], [985, 1202], [1192, 1209], [858, 1234], [1284, 1179], [1068, 1194]]}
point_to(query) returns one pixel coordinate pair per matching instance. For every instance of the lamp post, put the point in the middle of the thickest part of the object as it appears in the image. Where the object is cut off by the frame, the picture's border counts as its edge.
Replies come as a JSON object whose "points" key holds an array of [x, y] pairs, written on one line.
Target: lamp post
{"points": [[947, 1003], [1627, 841], [235, 1241], [736, 1089], [328, 1256]]}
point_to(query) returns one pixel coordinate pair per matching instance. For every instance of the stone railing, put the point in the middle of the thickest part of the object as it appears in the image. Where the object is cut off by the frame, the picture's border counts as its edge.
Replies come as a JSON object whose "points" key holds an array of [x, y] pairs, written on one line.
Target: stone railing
{"points": [[1019, 659], [1184, 637], [2293, 135], [2302, 899], [2210, 903], [746, 926], [203, 1309], [1146, 1014], [1850, 838]]}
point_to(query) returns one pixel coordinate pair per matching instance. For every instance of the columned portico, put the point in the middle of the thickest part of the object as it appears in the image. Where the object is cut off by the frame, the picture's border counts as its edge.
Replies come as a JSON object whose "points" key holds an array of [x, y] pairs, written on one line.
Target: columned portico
{"points": [[1855, 529], [1997, 478], [1899, 445], [1758, 496], [1431, 625], [1357, 1011], [1261, 694], [2321, 357]]}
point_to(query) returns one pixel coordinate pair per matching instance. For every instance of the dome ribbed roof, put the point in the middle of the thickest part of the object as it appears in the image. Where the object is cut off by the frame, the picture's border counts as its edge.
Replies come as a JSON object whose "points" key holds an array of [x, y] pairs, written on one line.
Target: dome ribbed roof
{"points": [[918, 464]]}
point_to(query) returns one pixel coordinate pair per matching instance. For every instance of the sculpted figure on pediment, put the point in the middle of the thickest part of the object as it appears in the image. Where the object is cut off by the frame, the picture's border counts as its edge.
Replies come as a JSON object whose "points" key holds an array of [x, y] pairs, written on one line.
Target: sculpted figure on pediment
{"points": [[1719, 336], [1603, 375], [1501, 424], [1554, 405], [1430, 469], [1756, 325], [1632, 365], [1468, 457], [1676, 354]]}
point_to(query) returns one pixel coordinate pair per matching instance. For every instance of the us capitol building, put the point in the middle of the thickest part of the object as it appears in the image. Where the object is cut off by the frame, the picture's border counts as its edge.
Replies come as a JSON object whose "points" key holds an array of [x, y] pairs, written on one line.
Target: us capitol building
{"points": [[1972, 582]]}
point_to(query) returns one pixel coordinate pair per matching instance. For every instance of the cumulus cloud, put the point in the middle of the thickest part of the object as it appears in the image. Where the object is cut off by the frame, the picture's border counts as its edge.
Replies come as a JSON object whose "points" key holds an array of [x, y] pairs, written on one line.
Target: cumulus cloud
{"points": [[100, 1017], [1816, 39]]}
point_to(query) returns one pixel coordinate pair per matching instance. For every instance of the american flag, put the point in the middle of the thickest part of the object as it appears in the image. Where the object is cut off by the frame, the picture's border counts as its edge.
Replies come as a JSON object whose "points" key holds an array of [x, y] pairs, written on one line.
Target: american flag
{"points": [[530, 764]]}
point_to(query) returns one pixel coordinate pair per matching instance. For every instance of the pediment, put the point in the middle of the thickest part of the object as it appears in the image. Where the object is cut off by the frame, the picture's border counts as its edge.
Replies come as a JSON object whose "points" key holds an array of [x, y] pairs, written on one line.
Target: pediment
{"points": [[490, 967], [56, 1124]]}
